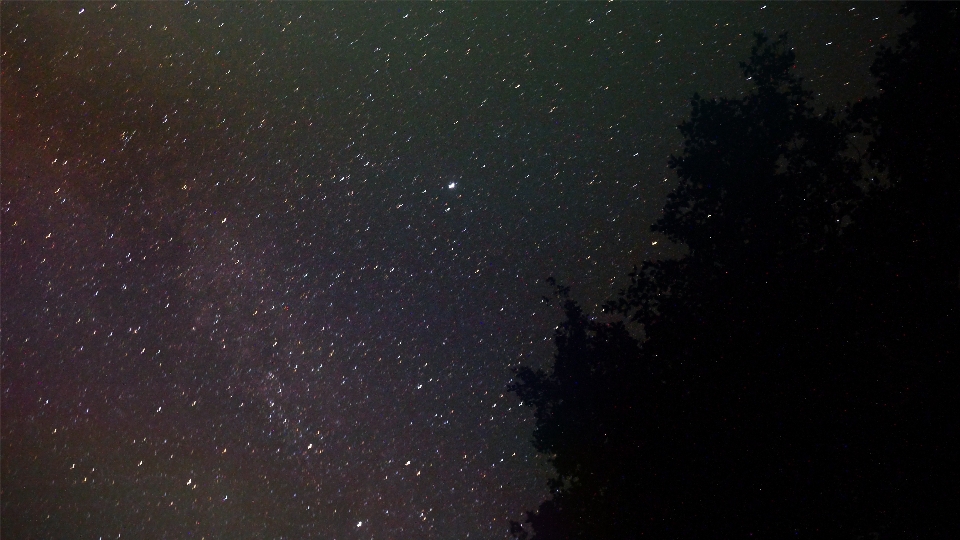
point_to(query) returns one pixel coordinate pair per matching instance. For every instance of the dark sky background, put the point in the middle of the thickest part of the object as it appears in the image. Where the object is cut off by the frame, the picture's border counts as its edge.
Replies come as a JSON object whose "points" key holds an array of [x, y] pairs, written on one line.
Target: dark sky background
{"points": [[267, 267]]}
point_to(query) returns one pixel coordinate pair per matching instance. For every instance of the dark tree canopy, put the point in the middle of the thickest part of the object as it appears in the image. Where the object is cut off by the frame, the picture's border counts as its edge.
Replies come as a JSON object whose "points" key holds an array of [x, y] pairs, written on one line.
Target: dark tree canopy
{"points": [[797, 374], [762, 175]]}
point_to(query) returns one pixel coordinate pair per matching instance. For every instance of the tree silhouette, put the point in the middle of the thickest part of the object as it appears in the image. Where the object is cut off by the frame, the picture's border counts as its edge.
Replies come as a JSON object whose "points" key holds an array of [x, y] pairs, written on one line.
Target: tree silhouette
{"points": [[760, 176], [586, 408], [904, 254], [914, 134], [798, 370]]}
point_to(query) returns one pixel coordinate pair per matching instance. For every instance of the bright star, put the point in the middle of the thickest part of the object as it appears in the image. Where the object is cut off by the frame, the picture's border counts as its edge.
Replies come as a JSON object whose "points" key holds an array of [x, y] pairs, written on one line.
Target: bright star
{"points": [[452, 185]]}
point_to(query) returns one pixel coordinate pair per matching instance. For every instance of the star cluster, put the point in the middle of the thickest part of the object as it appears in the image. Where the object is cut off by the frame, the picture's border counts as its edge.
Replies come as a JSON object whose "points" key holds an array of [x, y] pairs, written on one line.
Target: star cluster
{"points": [[267, 267]]}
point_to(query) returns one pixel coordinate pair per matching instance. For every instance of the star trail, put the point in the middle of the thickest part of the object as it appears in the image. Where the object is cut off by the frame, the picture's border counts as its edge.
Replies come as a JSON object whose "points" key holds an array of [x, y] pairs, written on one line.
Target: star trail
{"points": [[267, 268]]}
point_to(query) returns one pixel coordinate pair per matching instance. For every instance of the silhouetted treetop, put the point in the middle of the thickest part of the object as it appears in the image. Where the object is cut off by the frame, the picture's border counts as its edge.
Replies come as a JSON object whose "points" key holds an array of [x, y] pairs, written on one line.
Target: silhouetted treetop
{"points": [[762, 174], [913, 128]]}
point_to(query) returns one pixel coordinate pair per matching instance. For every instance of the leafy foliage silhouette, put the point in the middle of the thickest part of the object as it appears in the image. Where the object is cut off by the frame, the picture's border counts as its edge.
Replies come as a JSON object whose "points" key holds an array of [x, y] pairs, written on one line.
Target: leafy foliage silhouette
{"points": [[797, 374]]}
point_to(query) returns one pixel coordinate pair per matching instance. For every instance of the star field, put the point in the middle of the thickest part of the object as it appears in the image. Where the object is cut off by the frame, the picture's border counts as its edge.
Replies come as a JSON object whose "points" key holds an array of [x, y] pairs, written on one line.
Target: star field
{"points": [[267, 267]]}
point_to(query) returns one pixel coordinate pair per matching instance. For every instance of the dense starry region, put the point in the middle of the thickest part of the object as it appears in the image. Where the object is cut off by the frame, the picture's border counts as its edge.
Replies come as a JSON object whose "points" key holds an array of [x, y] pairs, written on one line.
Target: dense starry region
{"points": [[267, 268]]}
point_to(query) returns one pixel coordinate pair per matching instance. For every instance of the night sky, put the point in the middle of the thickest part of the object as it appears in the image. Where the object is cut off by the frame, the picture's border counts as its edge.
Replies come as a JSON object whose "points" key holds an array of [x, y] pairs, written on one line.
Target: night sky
{"points": [[267, 268]]}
